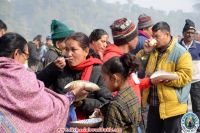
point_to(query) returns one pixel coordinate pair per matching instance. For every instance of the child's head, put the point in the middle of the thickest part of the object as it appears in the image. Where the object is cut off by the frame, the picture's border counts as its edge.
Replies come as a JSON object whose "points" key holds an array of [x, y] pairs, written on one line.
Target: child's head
{"points": [[117, 69]]}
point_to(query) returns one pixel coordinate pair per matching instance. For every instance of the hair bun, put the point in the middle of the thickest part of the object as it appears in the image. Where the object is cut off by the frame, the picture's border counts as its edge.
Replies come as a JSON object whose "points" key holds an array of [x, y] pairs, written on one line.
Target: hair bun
{"points": [[130, 62]]}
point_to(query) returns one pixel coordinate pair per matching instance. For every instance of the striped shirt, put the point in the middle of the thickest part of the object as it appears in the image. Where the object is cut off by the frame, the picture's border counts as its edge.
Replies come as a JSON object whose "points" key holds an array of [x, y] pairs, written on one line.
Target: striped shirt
{"points": [[121, 108], [153, 96]]}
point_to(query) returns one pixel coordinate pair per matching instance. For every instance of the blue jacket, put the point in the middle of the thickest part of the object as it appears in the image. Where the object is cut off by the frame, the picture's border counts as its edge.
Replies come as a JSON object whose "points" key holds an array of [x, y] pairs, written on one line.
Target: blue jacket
{"points": [[194, 50], [141, 39]]}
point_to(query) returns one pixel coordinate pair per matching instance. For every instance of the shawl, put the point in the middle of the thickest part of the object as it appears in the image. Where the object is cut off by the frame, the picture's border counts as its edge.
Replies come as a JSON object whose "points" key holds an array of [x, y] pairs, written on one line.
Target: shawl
{"points": [[26, 103]]}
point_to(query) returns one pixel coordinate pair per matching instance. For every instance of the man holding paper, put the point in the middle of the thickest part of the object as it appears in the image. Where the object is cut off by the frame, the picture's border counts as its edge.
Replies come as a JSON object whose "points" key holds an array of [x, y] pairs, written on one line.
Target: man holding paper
{"points": [[167, 102]]}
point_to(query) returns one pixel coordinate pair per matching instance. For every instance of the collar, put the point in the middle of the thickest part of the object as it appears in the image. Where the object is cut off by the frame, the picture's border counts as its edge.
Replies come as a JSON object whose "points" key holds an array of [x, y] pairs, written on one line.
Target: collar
{"points": [[162, 50], [170, 45], [187, 46], [192, 45], [121, 92], [58, 51]]}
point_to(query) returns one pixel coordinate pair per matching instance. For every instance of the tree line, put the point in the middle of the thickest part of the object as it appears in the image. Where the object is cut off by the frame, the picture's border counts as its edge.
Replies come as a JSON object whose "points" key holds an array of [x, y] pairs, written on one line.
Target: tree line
{"points": [[32, 17]]}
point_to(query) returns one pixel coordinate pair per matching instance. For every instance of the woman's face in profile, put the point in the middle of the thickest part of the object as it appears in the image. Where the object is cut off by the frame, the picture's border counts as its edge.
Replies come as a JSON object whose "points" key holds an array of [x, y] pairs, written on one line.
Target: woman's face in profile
{"points": [[74, 53], [101, 44], [23, 56]]}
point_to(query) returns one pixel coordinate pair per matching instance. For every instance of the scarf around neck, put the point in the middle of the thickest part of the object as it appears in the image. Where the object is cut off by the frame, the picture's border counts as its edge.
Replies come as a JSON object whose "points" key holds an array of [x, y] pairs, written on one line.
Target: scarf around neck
{"points": [[87, 66], [144, 34], [111, 51]]}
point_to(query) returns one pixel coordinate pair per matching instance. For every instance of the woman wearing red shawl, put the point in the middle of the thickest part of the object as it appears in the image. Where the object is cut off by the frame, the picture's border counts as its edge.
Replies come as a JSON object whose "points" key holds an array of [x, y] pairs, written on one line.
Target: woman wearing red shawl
{"points": [[99, 41], [26, 105], [81, 65]]}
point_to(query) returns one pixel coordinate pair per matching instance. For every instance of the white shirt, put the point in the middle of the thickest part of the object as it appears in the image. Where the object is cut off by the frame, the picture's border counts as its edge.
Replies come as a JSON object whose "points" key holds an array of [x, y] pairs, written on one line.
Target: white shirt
{"points": [[187, 46]]}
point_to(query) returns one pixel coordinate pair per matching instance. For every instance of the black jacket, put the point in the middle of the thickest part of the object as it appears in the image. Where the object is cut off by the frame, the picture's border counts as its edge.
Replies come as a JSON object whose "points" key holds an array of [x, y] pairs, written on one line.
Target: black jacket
{"points": [[60, 79], [51, 55], [34, 57]]}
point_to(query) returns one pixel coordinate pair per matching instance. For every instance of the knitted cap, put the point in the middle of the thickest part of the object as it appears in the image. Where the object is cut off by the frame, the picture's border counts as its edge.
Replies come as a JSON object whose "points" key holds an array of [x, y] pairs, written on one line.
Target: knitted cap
{"points": [[144, 21], [59, 30], [189, 24], [123, 31]]}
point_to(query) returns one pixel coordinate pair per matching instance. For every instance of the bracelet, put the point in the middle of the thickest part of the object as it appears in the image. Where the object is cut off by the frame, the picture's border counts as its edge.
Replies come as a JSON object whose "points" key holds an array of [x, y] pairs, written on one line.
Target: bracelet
{"points": [[70, 95]]}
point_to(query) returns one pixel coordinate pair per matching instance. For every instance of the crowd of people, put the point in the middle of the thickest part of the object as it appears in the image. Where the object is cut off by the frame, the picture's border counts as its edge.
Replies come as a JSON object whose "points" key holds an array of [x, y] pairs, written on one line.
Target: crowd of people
{"points": [[33, 76]]}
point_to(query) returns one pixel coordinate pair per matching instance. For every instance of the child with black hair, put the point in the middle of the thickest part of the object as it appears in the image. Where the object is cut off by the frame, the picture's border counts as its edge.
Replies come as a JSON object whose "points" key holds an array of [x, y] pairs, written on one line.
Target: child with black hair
{"points": [[124, 110]]}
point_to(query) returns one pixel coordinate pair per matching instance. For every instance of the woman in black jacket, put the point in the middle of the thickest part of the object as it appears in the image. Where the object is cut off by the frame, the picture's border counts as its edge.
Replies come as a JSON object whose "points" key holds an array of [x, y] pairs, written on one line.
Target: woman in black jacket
{"points": [[81, 65]]}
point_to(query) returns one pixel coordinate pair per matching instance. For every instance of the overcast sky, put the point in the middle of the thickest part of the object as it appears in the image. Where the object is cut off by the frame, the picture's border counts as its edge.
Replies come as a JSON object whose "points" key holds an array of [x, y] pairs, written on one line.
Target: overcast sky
{"points": [[166, 5]]}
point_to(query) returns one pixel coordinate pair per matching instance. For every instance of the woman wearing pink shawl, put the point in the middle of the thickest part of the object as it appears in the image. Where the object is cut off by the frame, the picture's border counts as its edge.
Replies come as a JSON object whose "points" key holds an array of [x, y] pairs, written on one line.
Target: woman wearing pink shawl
{"points": [[26, 106]]}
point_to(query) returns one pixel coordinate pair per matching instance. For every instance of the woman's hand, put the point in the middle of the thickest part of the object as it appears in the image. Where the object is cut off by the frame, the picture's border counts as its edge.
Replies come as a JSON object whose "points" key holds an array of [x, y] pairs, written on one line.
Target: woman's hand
{"points": [[80, 93], [96, 114], [60, 63]]}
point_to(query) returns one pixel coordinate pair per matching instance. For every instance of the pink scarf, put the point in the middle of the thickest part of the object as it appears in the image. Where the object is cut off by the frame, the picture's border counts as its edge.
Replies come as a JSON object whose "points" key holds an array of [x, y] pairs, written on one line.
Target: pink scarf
{"points": [[144, 34], [26, 103]]}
